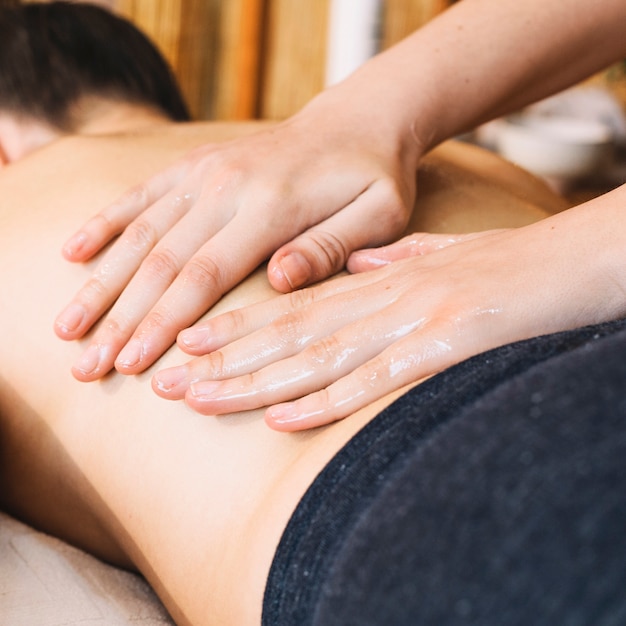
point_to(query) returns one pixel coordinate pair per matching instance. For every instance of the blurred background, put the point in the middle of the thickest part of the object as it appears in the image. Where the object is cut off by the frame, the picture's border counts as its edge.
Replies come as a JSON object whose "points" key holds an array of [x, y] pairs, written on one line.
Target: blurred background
{"points": [[242, 59], [246, 59]]}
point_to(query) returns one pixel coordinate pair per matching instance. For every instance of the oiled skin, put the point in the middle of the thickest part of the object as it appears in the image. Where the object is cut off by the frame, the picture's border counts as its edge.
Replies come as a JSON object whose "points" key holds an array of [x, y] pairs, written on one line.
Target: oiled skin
{"points": [[196, 503]]}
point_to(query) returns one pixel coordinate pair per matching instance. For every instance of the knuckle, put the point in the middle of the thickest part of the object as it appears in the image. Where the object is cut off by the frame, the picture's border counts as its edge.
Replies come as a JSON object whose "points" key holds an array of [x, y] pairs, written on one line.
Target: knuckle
{"points": [[215, 365], [369, 373], [330, 250], [226, 325], [286, 330], [159, 319], [94, 289], [114, 326], [202, 271], [324, 401], [323, 352], [300, 298], [226, 328], [116, 217], [226, 173], [323, 398], [136, 197], [272, 193], [105, 222], [162, 264], [140, 236], [209, 367], [203, 156]]}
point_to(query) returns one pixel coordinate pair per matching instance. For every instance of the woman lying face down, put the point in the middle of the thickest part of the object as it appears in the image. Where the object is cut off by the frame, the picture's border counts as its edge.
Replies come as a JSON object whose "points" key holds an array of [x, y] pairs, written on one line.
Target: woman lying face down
{"points": [[206, 507], [196, 503]]}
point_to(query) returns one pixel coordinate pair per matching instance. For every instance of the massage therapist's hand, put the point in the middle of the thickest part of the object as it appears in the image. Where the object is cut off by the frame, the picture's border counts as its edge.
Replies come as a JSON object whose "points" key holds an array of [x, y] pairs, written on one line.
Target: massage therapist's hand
{"points": [[318, 355], [308, 191]]}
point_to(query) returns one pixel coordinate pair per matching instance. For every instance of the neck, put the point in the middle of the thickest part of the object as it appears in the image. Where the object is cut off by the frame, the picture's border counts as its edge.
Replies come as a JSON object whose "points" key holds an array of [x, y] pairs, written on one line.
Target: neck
{"points": [[20, 136], [91, 116], [95, 116]]}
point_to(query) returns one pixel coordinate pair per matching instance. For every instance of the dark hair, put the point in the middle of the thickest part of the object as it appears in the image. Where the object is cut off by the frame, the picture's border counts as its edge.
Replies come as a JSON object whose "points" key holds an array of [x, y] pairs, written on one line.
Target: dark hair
{"points": [[52, 54]]}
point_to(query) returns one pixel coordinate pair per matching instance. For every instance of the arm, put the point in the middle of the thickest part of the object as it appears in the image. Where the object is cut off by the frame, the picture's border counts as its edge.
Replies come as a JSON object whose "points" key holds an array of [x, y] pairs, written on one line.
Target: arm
{"points": [[338, 176], [482, 59]]}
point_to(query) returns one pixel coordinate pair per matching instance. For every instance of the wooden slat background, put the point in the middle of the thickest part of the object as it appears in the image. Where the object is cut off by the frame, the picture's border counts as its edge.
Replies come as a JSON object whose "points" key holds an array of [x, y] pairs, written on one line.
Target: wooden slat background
{"points": [[239, 59]]}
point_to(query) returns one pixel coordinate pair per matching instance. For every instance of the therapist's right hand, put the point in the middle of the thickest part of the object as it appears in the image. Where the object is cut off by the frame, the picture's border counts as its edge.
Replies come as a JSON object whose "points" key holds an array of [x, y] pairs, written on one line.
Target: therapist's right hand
{"points": [[306, 192]]}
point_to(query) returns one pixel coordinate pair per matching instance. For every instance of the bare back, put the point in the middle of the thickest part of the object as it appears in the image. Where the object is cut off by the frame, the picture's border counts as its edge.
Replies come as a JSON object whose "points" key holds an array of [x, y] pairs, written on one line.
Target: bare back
{"points": [[197, 504]]}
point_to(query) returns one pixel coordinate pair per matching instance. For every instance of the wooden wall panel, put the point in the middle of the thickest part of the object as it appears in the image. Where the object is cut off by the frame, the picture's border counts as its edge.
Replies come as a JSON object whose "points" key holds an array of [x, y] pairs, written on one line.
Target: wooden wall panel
{"points": [[295, 55], [238, 59], [237, 68], [186, 32], [295, 46], [402, 17]]}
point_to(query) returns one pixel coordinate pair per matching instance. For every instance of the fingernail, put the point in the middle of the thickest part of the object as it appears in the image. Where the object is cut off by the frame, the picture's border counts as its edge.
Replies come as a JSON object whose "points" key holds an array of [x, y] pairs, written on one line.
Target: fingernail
{"points": [[204, 390], [296, 269], [284, 413], [290, 416], [70, 320], [171, 381], [193, 338], [131, 355], [74, 244], [89, 362]]}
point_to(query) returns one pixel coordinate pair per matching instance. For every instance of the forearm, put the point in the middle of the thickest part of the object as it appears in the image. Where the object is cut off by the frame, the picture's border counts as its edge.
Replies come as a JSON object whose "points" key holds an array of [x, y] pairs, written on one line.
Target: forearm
{"points": [[596, 234], [482, 59]]}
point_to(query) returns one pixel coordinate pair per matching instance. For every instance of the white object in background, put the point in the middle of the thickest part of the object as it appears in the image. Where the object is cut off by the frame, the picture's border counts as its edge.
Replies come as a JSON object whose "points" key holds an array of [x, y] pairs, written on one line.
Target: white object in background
{"points": [[353, 36], [561, 149], [585, 102]]}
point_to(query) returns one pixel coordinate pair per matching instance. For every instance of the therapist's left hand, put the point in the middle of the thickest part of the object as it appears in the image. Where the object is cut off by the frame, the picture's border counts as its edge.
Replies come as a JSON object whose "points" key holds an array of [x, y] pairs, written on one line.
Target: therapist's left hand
{"points": [[320, 354]]}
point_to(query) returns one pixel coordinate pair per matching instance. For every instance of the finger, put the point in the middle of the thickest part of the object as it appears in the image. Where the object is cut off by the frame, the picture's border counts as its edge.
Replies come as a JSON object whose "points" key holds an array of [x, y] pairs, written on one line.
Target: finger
{"points": [[324, 249], [224, 261], [119, 265], [113, 219], [422, 354], [417, 244], [223, 329], [321, 362], [148, 284], [219, 265], [283, 336], [159, 328]]}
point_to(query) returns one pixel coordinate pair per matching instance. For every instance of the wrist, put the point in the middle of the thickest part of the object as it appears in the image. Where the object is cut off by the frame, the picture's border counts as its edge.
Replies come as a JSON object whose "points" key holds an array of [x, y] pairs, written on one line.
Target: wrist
{"points": [[367, 108], [590, 241]]}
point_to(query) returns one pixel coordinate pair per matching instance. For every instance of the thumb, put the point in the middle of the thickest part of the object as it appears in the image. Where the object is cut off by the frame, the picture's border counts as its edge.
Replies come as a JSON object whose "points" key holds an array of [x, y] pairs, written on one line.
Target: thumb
{"points": [[417, 244], [374, 218], [307, 259]]}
